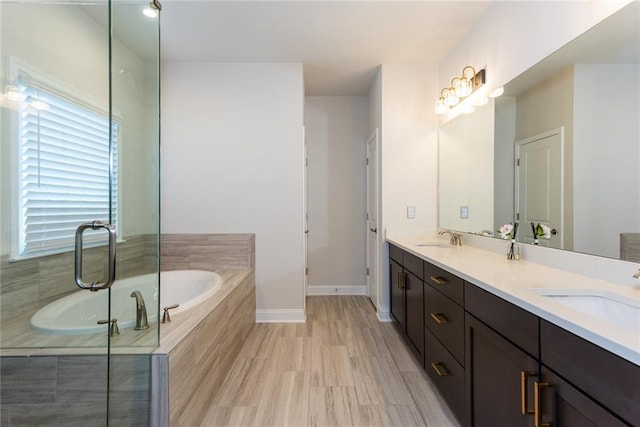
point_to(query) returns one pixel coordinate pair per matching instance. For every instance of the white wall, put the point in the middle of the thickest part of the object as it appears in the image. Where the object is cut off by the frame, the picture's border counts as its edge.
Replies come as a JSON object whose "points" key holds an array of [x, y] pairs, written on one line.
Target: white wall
{"points": [[512, 36], [409, 156], [606, 153], [336, 130], [232, 161]]}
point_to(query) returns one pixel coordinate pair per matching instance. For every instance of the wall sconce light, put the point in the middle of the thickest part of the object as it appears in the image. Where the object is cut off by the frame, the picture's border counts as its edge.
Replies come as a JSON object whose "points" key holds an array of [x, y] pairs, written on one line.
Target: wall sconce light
{"points": [[461, 87]]}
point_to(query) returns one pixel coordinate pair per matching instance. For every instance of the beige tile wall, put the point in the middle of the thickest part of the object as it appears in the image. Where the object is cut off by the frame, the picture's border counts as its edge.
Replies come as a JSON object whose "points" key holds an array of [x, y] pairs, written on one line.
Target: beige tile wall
{"points": [[207, 251]]}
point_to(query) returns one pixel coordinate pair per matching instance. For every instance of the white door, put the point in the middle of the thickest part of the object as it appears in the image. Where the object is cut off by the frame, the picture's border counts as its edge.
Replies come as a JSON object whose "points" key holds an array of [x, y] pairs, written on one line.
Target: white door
{"points": [[539, 163], [372, 218], [305, 218]]}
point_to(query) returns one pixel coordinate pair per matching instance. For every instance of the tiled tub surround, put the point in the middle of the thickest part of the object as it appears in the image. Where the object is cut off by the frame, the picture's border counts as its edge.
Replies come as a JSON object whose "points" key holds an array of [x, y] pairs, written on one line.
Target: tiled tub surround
{"points": [[198, 347], [522, 283]]}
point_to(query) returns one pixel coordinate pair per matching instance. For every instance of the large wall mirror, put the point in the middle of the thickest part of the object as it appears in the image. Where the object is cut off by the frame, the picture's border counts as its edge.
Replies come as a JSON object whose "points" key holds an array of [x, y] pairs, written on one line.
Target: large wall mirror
{"points": [[563, 146]]}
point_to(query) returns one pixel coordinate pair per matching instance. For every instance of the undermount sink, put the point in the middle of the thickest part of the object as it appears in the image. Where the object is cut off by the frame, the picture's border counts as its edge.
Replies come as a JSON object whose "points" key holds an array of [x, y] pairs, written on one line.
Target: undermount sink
{"points": [[611, 308], [433, 244]]}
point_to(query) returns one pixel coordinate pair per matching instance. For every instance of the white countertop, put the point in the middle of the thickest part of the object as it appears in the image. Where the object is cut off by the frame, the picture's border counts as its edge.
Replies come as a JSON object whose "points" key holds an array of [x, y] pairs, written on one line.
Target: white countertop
{"points": [[525, 283]]}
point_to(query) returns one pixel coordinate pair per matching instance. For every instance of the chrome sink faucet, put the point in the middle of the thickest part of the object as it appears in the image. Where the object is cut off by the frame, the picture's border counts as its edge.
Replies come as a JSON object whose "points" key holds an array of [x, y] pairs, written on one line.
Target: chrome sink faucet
{"points": [[456, 238], [142, 322], [637, 274]]}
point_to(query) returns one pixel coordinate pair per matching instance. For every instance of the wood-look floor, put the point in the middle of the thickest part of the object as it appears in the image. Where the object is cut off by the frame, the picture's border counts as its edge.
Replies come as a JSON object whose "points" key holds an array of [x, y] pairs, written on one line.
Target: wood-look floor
{"points": [[340, 368]]}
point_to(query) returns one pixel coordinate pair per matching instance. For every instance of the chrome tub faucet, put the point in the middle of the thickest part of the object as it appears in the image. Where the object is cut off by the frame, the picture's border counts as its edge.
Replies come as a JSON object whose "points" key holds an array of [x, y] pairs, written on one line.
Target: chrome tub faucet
{"points": [[142, 322]]}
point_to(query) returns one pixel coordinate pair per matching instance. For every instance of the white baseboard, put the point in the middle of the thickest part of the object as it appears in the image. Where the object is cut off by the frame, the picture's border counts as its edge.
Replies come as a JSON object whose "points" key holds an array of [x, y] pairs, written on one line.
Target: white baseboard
{"points": [[336, 290], [384, 316], [280, 316]]}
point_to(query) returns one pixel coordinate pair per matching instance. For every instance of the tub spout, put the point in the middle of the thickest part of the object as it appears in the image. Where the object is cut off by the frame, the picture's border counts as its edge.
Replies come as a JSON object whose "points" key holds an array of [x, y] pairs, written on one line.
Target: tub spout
{"points": [[142, 322]]}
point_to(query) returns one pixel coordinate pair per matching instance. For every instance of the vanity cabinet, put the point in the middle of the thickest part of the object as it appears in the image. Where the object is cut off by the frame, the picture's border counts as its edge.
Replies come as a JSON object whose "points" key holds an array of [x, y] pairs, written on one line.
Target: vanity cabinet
{"points": [[396, 296], [604, 377], [488, 357], [444, 335], [406, 298], [501, 361]]}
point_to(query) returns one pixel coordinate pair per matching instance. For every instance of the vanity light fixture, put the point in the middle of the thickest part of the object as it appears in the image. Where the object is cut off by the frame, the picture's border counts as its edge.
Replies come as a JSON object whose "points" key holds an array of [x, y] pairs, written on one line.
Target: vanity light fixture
{"points": [[461, 87]]}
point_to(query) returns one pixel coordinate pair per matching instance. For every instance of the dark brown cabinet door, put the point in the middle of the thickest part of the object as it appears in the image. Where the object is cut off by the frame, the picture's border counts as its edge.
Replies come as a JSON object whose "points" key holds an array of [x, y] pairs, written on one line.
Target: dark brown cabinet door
{"points": [[396, 280], [493, 378], [415, 315], [563, 405]]}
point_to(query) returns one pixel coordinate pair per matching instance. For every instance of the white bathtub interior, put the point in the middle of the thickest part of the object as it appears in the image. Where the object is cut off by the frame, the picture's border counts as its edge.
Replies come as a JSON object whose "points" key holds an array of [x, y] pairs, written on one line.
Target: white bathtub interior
{"points": [[78, 313]]}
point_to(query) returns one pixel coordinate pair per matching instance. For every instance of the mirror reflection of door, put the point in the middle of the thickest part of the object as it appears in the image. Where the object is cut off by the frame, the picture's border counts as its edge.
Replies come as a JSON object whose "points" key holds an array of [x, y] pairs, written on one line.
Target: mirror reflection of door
{"points": [[539, 163]]}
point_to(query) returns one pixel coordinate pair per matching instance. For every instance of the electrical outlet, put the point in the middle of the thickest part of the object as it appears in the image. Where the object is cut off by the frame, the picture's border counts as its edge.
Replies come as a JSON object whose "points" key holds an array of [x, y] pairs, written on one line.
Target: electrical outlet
{"points": [[411, 212], [464, 212]]}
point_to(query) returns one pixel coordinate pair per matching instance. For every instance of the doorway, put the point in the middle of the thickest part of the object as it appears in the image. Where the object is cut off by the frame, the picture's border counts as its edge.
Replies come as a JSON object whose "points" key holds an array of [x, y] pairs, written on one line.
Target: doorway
{"points": [[372, 218]]}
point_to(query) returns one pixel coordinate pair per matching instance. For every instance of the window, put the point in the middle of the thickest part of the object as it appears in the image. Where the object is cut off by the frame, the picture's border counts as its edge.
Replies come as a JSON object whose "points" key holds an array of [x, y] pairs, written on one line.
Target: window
{"points": [[65, 155]]}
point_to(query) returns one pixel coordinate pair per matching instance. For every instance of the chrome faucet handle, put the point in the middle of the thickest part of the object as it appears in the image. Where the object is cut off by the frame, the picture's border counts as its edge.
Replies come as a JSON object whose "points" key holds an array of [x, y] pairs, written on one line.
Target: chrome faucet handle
{"points": [[458, 239], [113, 326], [637, 274], [166, 317]]}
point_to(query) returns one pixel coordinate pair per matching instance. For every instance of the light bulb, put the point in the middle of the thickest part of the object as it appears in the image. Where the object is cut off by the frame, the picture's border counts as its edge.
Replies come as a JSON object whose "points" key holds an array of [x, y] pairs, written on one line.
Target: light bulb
{"points": [[149, 12], [463, 87], [497, 92], [441, 106], [451, 98]]}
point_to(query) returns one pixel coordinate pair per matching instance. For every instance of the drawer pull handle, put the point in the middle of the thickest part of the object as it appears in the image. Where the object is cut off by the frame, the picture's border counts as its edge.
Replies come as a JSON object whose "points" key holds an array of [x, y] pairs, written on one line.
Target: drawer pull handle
{"points": [[537, 391], [438, 280], [402, 280], [439, 318], [524, 375], [440, 369]]}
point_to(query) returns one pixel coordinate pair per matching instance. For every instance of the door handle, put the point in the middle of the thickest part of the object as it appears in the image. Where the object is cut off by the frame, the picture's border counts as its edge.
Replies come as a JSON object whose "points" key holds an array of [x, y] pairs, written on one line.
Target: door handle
{"points": [[95, 286], [306, 231], [554, 231]]}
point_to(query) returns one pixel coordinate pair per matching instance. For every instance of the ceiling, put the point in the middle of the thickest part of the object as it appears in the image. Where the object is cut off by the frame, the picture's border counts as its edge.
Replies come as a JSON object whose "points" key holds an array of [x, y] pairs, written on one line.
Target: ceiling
{"points": [[339, 43]]}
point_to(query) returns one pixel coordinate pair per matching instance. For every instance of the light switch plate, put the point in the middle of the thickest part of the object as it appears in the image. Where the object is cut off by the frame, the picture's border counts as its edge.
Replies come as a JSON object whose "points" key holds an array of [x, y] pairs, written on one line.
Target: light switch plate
{"points": [[464, 212], [411, 212]]}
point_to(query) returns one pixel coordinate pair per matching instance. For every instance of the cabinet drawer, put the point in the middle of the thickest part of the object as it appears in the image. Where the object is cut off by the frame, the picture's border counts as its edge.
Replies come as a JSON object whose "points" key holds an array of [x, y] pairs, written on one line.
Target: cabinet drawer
{"points": [[445, 320], [447, 283], [607, 378], [564, 405], [395, 253], [445, 372], [413, 264], [517, 325]]}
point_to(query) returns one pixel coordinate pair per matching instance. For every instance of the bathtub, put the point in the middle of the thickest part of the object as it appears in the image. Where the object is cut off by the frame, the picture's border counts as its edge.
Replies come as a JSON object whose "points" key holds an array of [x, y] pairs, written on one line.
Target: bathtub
{"points": [[78, 313]]}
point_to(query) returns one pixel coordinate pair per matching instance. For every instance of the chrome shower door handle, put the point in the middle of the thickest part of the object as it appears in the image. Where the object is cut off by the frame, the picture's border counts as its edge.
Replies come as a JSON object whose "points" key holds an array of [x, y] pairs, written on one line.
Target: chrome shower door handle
{"points": [[95, 286]]}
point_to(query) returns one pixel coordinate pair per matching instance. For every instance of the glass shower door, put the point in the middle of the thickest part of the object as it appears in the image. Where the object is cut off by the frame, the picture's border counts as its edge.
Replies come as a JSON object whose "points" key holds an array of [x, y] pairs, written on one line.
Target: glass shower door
{"points": [[136, 298], [55, 130], [79, 143]]}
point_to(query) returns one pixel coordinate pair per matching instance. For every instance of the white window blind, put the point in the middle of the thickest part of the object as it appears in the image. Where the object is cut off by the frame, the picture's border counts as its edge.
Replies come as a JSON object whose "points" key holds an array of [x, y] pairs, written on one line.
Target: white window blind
{"points": [[66, 155]]}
